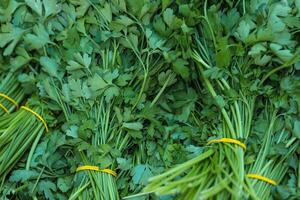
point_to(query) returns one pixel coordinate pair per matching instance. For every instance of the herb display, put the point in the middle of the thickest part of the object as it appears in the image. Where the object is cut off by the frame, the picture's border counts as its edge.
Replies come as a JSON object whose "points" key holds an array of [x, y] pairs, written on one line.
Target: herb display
{"points": [[140, 99]]}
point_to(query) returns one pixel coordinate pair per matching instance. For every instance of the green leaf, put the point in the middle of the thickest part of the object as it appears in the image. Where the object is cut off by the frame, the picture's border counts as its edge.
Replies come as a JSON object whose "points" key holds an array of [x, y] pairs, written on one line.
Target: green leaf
{"points": [[165, 3], [51, 7], [243, 30], [185, 28], [23, 175], [137, 173], [123, 79], [84, 60], [284, 54], [133, 39], [297, 65], [72, 131], [297, 4], [124, 164], [19, 61], [39, 39], [168, 16], [124, 20], [49, 65], [110, 93], [171, 20], [80, 26], [257, 49], [72, 65], [161, 27], [135, 134], [8, 11], [230, 19], [223, 57], [79, 62], [133, 125], [292, 22], [135, 6], [82, 7], [36, 6], [141, 174], [96, 82], [106, 12], [296, 129], [10, 38], [110, 76], [180, 67], [22, 58], [76, 88], [48, 188], [64, 184]]}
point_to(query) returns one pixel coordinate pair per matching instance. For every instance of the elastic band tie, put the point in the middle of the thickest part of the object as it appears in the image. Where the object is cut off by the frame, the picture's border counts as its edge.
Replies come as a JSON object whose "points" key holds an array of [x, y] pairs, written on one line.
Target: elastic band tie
{"points": [[262, 178], [228, 140], [9, 99], [37, 115], [4, 108], [95, 168]]}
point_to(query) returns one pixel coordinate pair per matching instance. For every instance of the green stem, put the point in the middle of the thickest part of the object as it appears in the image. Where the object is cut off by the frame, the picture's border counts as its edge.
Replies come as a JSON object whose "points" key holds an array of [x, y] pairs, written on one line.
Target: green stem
{"points": [[33, 147], [79, 191], [272, 72], [37, 180], [161, 91]]}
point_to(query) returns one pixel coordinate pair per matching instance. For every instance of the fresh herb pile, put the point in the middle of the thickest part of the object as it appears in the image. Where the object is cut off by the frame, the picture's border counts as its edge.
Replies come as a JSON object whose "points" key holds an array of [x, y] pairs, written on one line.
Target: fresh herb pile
{"points": [[140, 99]]}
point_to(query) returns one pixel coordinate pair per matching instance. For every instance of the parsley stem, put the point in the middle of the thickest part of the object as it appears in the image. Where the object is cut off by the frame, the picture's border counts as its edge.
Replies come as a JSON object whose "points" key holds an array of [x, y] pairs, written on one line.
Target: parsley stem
{"points": [[37, 180], [161, 90]]}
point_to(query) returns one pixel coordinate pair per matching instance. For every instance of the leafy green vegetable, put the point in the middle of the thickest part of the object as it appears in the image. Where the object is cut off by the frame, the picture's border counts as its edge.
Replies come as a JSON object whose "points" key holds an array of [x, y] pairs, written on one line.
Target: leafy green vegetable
{"points": [[140, 87]]}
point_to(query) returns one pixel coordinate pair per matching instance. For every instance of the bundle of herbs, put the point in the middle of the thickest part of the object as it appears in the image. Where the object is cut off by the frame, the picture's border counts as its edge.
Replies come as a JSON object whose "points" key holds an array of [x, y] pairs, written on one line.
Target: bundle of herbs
{"points": [[226, 177], [20, 132], [229, 88], [172, 90], [271, 164], [100, 134], [96, 174]]}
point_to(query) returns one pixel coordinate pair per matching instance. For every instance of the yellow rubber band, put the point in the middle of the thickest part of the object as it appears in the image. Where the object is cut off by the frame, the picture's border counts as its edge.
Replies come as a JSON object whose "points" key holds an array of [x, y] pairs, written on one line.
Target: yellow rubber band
{"points": [[9, 99], [228, 140], [95, 168], [3, 108], [37, 115], [262, 178]]}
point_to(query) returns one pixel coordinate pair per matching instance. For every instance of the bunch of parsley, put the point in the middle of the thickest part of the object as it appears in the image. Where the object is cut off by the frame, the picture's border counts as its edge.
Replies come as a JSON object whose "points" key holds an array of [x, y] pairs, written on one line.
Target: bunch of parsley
{"points": [[141, 86]]}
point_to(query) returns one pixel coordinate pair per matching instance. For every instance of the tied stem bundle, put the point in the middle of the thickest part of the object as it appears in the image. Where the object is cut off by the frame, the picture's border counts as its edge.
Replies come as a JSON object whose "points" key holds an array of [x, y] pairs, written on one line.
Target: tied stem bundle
{"points": [[20, 131], [221, 170], [267, 172], [101, 138], [98, 183]]}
